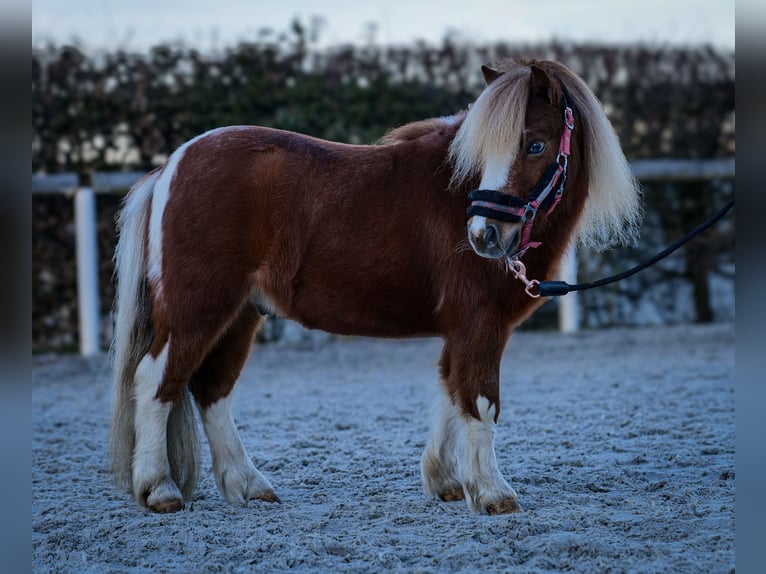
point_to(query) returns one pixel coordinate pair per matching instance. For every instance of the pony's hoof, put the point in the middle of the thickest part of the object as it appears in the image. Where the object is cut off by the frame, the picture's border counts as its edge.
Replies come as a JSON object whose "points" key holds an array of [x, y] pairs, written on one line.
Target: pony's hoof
{"points": [[503, 506], [452, 495], [167, 506], [238, 487], [269, 496], [163, 497]]}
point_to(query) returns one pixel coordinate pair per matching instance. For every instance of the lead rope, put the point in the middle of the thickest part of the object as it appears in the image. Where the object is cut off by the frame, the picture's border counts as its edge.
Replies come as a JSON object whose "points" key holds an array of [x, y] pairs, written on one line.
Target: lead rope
{"points": [[558, 288]]}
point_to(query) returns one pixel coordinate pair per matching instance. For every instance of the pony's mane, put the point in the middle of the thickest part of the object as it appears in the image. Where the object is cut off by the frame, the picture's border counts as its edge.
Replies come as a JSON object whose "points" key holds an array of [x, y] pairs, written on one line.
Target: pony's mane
{"points": [[415, 130], [495, 124]]}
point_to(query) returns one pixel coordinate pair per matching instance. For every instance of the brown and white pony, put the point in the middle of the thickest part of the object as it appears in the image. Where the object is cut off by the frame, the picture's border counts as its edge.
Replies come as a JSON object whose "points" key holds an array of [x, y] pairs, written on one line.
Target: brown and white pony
{"points": [[357, 240]]}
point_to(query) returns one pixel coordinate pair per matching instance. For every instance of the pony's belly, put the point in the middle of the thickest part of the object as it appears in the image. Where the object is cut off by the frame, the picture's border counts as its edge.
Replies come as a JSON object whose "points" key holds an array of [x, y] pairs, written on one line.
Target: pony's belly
{"points": [[352, 312], [365, 323]]}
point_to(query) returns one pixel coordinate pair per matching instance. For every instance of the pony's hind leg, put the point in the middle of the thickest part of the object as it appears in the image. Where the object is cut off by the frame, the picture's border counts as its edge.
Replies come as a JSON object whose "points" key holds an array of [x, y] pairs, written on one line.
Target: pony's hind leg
{"points": [[236, 476], [151, 477], [165, 454]]}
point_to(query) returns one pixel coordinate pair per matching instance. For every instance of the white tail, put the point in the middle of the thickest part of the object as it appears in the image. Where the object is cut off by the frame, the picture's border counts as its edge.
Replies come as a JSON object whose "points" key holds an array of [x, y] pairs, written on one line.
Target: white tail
{"points": [[132, 337]]}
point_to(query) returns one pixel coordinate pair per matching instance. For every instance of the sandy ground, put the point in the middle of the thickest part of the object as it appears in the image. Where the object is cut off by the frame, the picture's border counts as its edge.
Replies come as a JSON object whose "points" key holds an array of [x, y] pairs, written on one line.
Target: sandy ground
{"points": [[620, 444]]}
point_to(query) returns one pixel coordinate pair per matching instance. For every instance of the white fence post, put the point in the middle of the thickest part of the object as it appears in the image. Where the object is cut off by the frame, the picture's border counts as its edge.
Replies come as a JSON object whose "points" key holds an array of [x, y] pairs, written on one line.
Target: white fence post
{"points": [[87, 270], [569, 312]]}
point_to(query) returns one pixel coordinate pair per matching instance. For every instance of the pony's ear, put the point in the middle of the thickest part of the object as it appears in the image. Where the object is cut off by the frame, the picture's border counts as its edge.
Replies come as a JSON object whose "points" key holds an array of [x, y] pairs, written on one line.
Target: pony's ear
{"points": [[490, 75], [540, 83]]}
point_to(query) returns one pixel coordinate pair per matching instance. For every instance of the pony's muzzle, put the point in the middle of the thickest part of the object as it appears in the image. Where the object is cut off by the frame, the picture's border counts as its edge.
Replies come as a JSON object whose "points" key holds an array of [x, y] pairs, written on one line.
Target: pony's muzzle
{"points": [[489, 239]]}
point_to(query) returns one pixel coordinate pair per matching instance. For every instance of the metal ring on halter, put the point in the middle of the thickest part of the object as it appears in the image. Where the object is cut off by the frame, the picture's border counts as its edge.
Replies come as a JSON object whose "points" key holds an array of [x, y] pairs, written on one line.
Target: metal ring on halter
{"points": [[559, 158], [529, 213], [569, 118]]}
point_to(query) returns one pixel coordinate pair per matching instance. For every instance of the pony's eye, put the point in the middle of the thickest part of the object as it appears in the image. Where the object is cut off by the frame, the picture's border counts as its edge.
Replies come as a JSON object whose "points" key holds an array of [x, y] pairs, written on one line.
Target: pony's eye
{"points": [[535, 147]]}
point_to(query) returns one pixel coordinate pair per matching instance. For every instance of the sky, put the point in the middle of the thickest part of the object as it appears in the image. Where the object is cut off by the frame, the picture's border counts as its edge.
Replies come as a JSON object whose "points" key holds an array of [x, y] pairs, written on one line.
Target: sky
{"points": [[139, 24]]}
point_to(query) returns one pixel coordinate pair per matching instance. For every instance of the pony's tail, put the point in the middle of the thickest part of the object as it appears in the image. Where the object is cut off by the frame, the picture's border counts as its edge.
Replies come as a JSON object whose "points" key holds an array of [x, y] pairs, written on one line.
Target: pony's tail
{"points": [[132, 337]]}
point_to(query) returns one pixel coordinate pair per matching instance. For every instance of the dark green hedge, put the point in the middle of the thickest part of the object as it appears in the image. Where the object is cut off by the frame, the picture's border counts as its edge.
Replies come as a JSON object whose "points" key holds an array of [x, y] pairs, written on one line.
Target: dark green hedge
{"points": [[119, 110]]}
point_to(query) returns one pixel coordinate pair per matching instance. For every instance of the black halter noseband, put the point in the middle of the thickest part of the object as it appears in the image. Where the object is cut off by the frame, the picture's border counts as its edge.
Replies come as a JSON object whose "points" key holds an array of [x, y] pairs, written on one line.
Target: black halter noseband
{"points": [[545, 194]]}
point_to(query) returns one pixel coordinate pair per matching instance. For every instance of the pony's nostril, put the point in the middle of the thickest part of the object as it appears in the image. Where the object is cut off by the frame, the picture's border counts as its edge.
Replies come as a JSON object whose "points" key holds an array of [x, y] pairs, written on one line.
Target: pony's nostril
{"points": [[491, 236]]}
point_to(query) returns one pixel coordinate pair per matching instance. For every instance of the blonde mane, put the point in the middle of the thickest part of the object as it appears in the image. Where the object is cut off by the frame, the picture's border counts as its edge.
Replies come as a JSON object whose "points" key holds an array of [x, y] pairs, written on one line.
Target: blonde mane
{"points": [[415, 130], [495, 123]]}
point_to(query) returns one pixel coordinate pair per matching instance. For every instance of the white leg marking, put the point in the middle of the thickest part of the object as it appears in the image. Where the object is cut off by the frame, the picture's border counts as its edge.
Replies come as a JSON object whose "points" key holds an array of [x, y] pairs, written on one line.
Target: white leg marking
{"points": [[487, 410], [438, 465], [236, 476], [477, 466], [152, 484]]}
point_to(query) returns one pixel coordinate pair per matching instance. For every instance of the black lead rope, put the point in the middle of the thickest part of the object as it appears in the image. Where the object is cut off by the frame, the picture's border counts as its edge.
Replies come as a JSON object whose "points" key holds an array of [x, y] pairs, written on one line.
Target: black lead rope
{"points": [[558, 288]]}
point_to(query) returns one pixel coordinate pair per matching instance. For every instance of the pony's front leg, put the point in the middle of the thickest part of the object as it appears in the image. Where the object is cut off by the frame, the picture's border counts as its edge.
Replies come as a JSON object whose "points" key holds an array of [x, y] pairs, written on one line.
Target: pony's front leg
{"points": [[439, 464], [461, 453], [485, 488]]}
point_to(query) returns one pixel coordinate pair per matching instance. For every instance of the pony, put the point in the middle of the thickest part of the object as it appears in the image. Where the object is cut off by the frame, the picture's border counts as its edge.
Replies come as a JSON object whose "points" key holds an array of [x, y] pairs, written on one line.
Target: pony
{"points": [[424, 234]]}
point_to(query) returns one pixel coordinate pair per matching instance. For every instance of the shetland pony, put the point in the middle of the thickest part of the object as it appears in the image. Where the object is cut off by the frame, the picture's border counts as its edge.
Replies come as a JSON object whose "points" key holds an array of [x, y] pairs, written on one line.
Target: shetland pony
{"points": [[357, 240]]}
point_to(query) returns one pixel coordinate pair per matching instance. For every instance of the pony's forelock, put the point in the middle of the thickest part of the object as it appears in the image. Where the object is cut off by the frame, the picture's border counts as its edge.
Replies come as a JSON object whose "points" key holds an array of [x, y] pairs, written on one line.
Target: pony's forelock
{"points": [[482, 137]]}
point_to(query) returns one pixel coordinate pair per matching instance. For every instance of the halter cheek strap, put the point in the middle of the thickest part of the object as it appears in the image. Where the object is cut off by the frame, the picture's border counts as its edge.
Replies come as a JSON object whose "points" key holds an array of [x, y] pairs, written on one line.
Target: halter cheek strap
{"points": [[545, 194]]}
